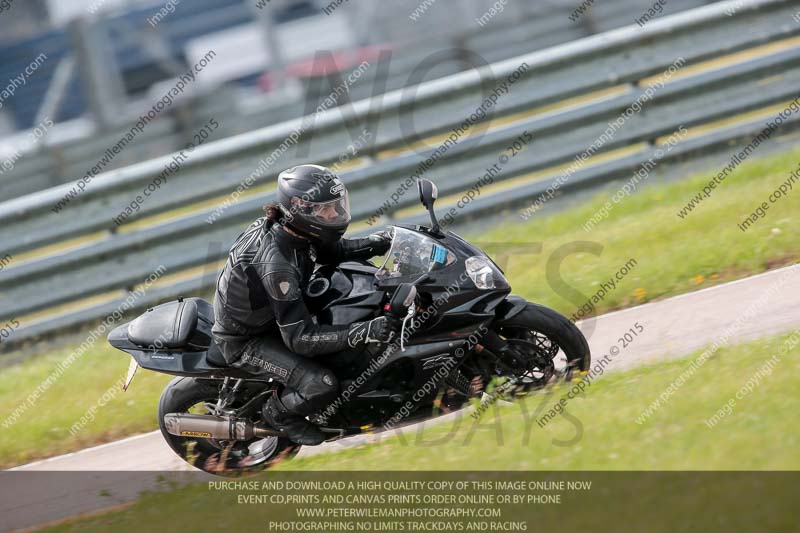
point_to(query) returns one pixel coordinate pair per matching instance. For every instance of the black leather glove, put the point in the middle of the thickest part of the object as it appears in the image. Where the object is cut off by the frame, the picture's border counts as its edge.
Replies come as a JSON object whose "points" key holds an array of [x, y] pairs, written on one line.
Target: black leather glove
{"points": [[383, 241], [382, 330]]}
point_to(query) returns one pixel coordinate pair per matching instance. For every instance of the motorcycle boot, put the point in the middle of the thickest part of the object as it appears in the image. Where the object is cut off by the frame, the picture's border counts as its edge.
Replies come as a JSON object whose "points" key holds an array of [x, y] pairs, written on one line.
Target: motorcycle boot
{"points": [[296, 427]]}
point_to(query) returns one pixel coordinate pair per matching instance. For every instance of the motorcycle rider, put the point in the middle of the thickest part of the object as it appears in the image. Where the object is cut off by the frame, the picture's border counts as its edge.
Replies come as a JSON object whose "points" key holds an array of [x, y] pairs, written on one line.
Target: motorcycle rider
{"points": [[260, 293]]}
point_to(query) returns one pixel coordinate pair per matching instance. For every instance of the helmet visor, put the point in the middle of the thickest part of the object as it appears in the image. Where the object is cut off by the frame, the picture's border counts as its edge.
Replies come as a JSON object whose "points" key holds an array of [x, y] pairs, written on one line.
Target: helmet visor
{"points": [[332, 213]]}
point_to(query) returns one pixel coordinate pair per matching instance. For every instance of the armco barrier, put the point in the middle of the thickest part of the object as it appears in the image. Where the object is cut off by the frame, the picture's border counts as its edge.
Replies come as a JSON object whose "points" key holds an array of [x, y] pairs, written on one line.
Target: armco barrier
{"points": [[520, 29], [619, 59]]}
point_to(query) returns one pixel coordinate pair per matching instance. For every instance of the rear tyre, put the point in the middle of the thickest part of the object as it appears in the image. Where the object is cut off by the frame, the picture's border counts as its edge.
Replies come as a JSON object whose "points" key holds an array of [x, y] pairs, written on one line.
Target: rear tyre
{"points": [[224, 458]]}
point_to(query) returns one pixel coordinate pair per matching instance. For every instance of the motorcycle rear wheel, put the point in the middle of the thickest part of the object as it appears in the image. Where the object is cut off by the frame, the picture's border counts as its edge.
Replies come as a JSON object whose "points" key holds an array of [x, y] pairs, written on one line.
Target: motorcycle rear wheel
{"points": [[222, 458]]}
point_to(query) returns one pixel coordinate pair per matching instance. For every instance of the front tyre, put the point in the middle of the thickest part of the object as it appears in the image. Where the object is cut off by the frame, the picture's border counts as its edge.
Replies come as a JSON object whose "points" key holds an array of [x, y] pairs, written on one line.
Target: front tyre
{"points": [[225, 458], [543, 345]]}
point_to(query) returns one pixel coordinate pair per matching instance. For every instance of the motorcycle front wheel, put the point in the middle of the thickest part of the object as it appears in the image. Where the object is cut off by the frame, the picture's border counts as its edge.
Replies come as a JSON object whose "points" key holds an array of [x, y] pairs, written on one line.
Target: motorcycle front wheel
{"points": [[547, 344]]}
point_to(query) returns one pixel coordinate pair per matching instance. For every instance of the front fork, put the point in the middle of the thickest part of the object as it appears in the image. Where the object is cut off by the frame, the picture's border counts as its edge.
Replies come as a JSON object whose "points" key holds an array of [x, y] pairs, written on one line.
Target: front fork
{"points": [[502, 350], [517, 364]]}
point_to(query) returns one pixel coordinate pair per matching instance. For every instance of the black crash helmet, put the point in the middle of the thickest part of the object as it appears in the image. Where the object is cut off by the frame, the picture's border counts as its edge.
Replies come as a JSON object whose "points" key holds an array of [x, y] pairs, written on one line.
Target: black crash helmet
{"points": [[314, 202]]}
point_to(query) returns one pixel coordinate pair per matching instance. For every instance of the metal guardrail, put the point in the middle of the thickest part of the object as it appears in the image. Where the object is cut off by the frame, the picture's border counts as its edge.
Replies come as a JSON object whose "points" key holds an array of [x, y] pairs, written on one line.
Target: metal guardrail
{"points": [[44, 168], [57, 163], [579, 68], [595, 63]]}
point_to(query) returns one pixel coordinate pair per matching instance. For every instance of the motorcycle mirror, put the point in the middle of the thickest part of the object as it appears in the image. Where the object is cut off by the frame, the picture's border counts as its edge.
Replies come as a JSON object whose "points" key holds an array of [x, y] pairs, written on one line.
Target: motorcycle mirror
{"points": [[427, 195], [403, 297], [427, 192]]}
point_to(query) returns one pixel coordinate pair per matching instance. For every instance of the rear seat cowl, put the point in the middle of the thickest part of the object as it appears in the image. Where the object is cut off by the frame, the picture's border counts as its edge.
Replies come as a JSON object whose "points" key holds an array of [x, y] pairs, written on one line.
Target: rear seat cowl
{"points": [[169, 325]]}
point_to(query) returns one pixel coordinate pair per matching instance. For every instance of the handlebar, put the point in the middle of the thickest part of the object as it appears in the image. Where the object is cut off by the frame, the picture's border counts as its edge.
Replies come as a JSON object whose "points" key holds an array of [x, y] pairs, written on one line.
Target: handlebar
{"points": [[403, 298]]}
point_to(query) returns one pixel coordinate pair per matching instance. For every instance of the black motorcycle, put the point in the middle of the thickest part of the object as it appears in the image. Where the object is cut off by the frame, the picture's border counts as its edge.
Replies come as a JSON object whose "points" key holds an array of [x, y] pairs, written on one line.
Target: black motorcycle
{"points": [[461, 331]]}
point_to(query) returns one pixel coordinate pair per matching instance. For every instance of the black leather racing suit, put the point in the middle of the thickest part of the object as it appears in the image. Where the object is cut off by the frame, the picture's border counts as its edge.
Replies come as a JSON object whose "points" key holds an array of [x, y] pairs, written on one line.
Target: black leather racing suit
{"points": [[259, 297]]}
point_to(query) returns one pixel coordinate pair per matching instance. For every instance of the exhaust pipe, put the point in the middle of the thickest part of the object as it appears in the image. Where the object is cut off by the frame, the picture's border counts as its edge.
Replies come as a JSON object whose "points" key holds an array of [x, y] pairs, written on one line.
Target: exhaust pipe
{"points": [[215, 427]]}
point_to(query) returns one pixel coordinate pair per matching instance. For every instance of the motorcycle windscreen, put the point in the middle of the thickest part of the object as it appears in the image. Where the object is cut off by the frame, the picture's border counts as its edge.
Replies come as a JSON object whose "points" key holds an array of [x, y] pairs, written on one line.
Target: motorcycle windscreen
{"points": [[413, 254]]}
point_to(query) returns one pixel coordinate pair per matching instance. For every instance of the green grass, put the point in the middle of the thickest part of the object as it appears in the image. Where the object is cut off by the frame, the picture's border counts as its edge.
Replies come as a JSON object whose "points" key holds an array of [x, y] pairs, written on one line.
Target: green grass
{"points": [[757, 435], [673, 256], [44, 429]]}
